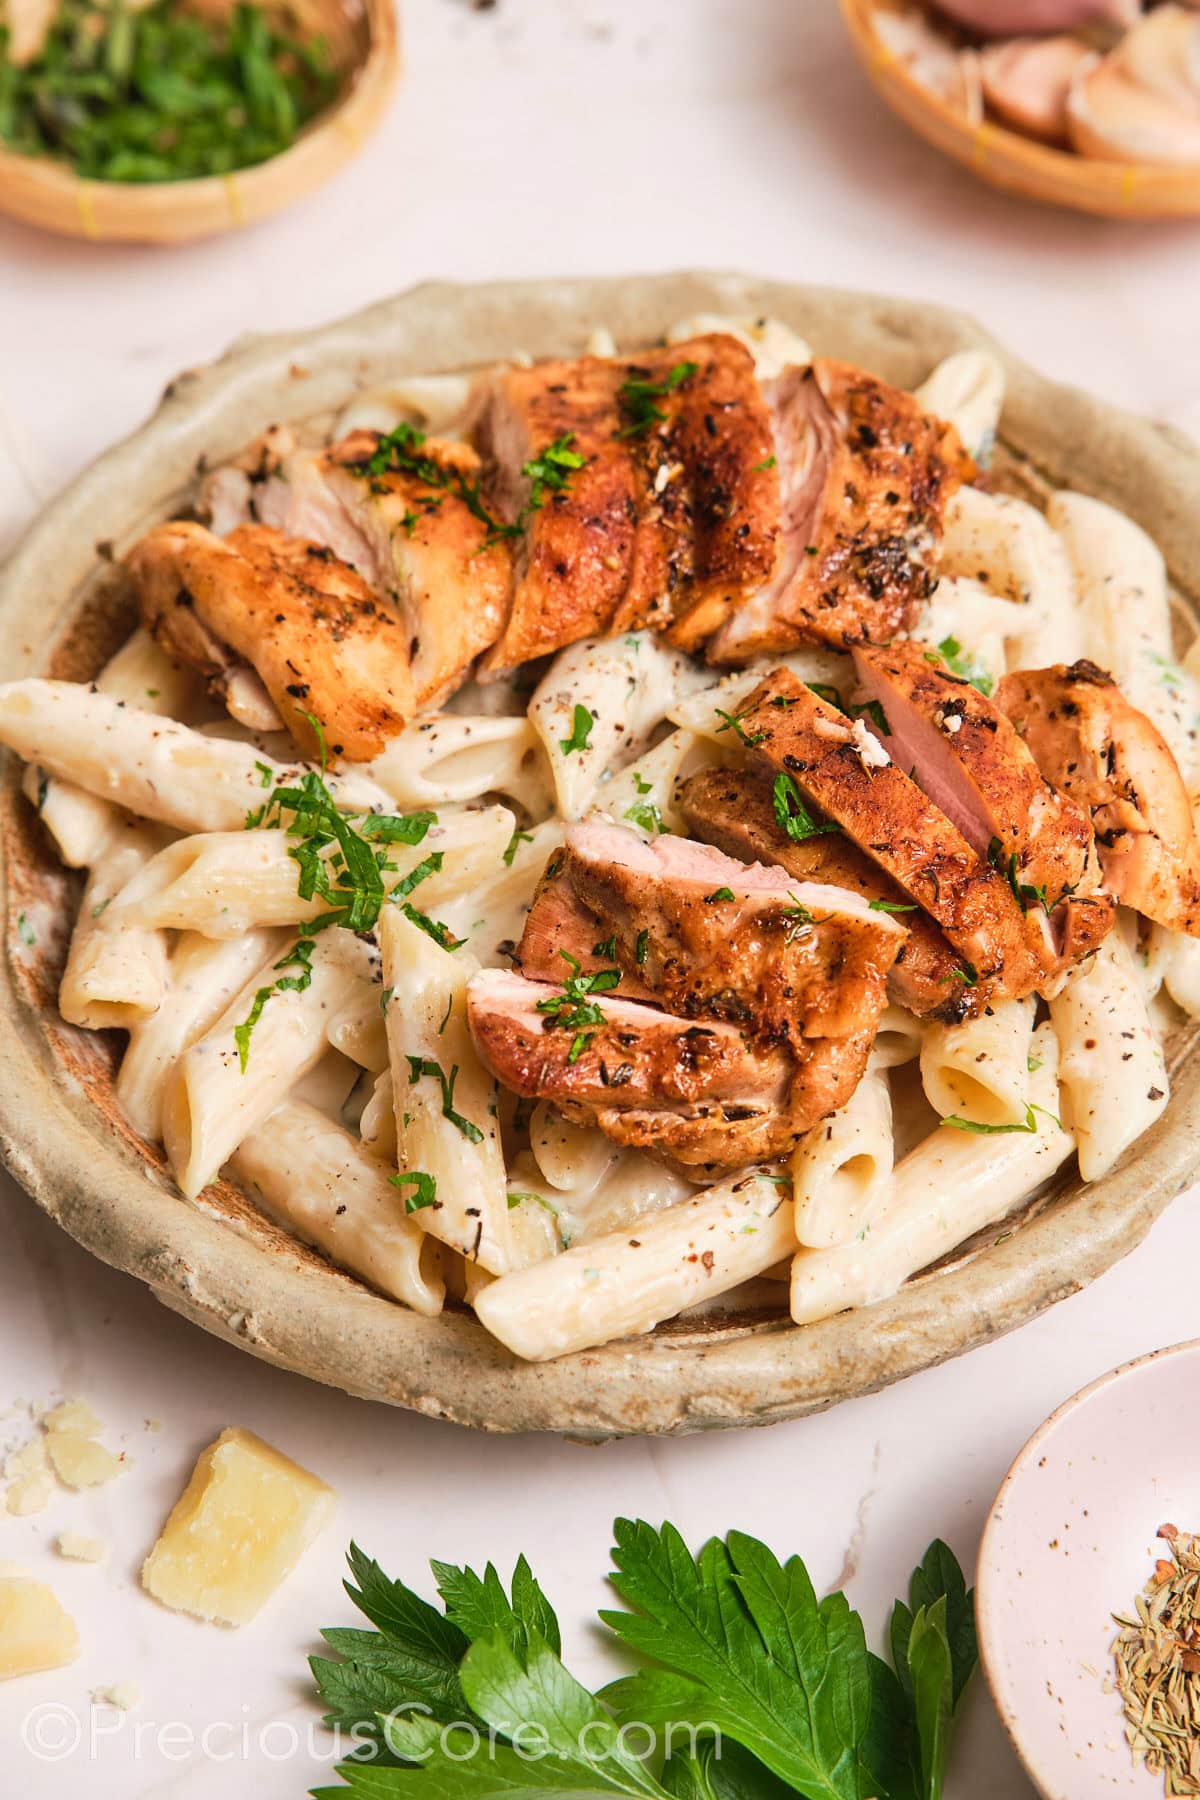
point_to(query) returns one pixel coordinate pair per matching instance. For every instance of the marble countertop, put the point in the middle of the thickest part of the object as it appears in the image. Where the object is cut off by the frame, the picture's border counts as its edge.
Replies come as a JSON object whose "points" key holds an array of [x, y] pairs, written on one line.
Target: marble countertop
{"points": [[536, 137]]}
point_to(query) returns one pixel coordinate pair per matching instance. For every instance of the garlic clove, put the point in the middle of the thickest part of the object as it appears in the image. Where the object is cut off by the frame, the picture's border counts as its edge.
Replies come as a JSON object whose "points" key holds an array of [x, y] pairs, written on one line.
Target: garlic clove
{"points": [[1026, 82], [932, 60], [1162, 55], [1014, 18], [1112, 119]]}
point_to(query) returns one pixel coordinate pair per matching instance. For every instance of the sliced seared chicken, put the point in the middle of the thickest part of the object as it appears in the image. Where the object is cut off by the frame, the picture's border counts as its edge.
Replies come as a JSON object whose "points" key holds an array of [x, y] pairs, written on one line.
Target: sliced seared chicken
{"points": [[672, 514], [699, 1092], [965, 754], [308, 624], [865, 477], [819, 757], [711, 938], [405, 511], [1093, 744], [734, 810], [229, 494]]}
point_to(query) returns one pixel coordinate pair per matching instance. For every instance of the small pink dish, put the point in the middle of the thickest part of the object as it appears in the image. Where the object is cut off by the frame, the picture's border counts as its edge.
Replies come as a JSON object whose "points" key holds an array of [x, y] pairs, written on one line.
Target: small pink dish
{"points": [[1069, 1542]]}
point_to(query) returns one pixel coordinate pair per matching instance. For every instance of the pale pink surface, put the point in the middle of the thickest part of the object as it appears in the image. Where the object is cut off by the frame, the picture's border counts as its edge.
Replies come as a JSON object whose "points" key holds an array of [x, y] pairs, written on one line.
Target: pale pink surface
{"points": [[1069, 1542]]}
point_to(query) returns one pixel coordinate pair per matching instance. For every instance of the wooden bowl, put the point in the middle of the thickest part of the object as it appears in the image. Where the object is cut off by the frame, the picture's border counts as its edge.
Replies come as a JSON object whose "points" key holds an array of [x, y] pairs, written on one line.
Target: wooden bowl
{"points": [[219, 1261], [362, 37], [1005, 158]]}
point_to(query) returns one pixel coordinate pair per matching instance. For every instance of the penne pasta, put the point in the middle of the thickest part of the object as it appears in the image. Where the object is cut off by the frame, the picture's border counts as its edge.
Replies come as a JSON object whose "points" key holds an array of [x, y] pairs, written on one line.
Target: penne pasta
{"points": [[377, 1122], [315, 1178], [447, 1133], [617, 1285], [1108, 1048], [154, 767], [950, 1186], [202, 978], [898, 1038], [1007, 547], [979, 1069], [1125, 610], [220, 1090], [456, 758], [967, 390], [1182, 972], [113, 978], [224, 882], [773, 345], [644, 794], [842, 1170]]}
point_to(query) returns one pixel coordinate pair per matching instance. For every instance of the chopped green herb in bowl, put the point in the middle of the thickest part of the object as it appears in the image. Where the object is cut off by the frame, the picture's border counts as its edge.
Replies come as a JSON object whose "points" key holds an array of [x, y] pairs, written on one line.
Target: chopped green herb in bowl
{"points": [[162, 94]]}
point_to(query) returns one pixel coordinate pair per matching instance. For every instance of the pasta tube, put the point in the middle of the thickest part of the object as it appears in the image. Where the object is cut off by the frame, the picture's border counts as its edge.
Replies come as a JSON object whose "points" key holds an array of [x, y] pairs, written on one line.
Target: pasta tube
{"points": [[967, 390], [314, 1177], [1006, 545], [842, 1168], [113, 978], [455, 758], [979, 1069], [951, 1185], [614, 1286], [1113, 1072]]}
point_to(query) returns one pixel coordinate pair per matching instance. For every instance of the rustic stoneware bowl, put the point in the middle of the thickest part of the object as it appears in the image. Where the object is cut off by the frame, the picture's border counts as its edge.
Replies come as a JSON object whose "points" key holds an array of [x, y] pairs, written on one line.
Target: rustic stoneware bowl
{"points": [[1070, 1541], [219, 1262]]}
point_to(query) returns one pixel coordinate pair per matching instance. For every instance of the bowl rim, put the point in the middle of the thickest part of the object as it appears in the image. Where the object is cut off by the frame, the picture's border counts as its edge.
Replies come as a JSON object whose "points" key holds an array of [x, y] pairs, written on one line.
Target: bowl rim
{"points": [[1120, 189], [988, 1579], [681, 1378]]}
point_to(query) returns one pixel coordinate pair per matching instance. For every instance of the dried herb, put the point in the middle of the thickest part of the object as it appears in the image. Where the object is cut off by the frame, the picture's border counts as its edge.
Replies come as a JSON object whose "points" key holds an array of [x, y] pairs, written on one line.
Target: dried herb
{"points": [[1157, 1656]]}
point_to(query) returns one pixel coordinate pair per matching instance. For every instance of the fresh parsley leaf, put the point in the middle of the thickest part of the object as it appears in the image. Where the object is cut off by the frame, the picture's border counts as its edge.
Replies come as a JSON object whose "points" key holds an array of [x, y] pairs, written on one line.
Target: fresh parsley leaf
{"points": [[646, 814], [572, 1010], [743, 1644], [401, 451], [733, 722], [965, 972], [581, 730], [424, 1189], [961, 663], [1030, 1124], [298, 957], [385, 1000], [721, 893], [643, 945], [874, 711], [890, 906], [479, 1606], [434, 928], [518, 837], [830, 695], [25, 931], [549, 472], [607, 950], [768, 462], [419, 1066], [793, 816], [642, 786], [637, 398], [933, 1650]]}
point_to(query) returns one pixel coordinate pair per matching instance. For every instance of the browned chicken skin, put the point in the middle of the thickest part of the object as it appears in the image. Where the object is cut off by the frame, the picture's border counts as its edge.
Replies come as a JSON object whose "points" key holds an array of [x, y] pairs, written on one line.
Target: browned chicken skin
{"points": [[1094, 745], [734, 810], [711, 938], [964, 753], [865, 477], [673, 515], [307, 623], [838, 767], [701, 1092]]}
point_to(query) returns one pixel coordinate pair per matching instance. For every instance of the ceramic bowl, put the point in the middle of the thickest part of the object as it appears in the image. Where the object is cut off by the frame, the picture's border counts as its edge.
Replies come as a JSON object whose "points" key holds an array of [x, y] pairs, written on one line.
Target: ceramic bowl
{"points": [[220, 1262], [1071, 1541]]}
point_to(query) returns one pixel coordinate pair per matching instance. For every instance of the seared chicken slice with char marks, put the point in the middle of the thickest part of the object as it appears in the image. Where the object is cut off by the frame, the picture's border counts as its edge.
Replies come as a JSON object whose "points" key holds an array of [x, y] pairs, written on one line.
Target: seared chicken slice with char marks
{"points": [[700, 1092], [734, 811], [865, 477], [963, 752], [310, 626], [711, 938], [673, 514], [818, 755], [405, 512], [1094, 745]]}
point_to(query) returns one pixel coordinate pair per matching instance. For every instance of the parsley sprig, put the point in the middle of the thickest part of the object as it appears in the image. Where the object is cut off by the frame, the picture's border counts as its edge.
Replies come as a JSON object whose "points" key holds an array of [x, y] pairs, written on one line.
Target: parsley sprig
{"points": [[791, 814], [401, 451], [420, 1066], [298, 957], [573, 1010], [582, 721], [752, 1687], [637, 398], [961, 663]]}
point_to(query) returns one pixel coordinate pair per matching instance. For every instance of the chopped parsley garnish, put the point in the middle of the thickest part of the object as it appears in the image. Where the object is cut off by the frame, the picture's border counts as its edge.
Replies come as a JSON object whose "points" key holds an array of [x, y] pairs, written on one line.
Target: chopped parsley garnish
{"points": [[424, 1065], [824, 691], [721, 893], [1030, 1122], [266, 774], [801, 920], [960, 663], [793, 816], [874, 712], [402, 452], [965, 972], [768, 462], [572, 1010], [643, 944], [1024, 893], [647, 815], [385, 1000], [608, 949], [25, 931], [637, 398], [549, 473], [298, 957], [733, 722], [643, 787], [518, 837], [581, 730], [434, 928], [853, 709], [891, 906], [424, 1189]]}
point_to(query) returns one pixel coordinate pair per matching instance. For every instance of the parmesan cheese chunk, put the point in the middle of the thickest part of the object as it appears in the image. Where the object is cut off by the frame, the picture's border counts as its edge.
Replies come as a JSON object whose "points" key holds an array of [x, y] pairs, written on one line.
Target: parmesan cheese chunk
{"points": [[80, 1461], [28, 1460], [35, 1632], [73, 1415], [29, 1493], [78, 1548], [239, 1527]]}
